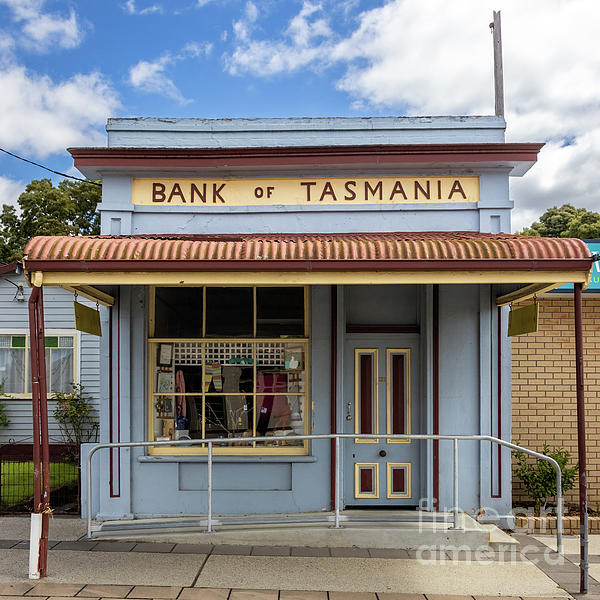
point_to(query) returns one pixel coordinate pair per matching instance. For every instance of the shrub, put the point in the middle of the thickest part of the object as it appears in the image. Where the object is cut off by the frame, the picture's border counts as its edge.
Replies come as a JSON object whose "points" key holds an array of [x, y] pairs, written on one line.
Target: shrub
{"points": [[539, 477], [76, 416], [4, 421]]}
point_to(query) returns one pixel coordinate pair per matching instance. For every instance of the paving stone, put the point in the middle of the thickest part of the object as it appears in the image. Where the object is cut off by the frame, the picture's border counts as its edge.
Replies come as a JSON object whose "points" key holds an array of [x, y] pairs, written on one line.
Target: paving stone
{"points": [[352, 596], [69, 598], [83, 545], [387, 553], [270, 551], [349, 553], [497, 598], [233, 550], [299, 595], [28, 597], [154, 591], [113, 547], [153, 547], [5, 544], [253, 595], [309, 551], [204, 594], [192, 549], [105, 591], [14, 589], [450, 597], [390, 596], [46, 588]]}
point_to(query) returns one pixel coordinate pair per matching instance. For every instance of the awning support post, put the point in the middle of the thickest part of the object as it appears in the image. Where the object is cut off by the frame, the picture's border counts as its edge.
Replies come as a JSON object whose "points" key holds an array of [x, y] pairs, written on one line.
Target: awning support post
{"points": [[41, 449], [583, 509]]}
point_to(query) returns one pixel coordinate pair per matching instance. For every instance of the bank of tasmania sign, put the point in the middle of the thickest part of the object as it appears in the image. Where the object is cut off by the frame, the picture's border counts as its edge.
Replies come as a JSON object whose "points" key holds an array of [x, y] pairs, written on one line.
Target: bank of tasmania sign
{"points": [[206, 193]]}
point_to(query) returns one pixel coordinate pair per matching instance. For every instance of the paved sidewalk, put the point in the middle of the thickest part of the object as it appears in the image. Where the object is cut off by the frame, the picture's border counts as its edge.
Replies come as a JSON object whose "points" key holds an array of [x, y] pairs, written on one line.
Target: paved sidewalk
{"points": [[204, 571]]}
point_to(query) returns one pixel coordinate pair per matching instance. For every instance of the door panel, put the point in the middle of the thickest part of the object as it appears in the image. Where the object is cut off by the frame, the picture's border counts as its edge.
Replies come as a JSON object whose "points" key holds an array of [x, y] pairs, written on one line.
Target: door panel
{"points": [[380, 391], [366, 396]]}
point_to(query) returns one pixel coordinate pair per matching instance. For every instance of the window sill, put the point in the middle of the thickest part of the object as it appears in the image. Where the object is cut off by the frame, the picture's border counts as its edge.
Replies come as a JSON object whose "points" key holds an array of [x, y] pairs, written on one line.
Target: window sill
{"points": [[199, 458]]}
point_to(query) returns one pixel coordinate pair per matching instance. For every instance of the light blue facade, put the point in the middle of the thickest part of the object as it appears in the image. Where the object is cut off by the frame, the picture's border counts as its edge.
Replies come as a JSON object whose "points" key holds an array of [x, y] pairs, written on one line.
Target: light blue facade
{"points": [[470, 354]]}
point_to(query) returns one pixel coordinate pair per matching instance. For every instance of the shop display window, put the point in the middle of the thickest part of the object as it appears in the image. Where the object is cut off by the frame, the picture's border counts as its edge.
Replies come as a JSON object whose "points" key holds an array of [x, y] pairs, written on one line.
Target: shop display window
{"points": [[245, 375]]}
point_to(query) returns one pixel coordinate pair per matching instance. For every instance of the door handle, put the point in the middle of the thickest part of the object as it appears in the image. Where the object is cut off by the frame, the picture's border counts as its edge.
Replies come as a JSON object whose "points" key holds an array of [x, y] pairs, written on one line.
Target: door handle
{"points": [[348, 412], [382, 453]]}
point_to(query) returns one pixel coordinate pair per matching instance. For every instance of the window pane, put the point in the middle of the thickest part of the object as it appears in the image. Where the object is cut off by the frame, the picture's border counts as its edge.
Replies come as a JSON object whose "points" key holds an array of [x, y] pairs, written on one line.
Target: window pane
{"points": [[229, 312], [280, 415], [280, 367], [280, 311], [59, 364], [18, 341], [51, 341], [12, 370], [178, 312], [5, 341], [65, 341]]}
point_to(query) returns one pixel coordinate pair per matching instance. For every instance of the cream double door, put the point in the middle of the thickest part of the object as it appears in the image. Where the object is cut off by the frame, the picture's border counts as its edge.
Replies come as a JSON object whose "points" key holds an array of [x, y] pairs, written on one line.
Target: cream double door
{"points": [[381, 398]]}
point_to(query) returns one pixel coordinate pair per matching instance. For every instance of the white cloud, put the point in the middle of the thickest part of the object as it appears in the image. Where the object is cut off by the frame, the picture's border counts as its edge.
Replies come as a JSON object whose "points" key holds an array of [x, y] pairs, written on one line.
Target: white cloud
{"points": [[131, 9], [149, 76], [435, 57], [41, 116], [304, 43], [10, 190], [42, 31]]}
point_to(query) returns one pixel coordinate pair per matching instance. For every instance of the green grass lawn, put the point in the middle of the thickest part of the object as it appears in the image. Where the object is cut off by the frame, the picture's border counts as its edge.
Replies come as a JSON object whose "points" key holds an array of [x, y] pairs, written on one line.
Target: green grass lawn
{"points": [[17, 480]]}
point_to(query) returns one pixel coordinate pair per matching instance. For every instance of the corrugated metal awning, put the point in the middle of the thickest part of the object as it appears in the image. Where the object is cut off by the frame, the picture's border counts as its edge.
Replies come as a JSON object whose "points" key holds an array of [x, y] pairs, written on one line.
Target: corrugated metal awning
{"points": [[411, 252]]}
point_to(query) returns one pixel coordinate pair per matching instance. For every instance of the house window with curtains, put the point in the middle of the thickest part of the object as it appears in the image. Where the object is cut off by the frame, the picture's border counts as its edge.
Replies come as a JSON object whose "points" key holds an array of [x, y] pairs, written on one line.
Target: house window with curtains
{"points": [[15, 368], [228, 362]]}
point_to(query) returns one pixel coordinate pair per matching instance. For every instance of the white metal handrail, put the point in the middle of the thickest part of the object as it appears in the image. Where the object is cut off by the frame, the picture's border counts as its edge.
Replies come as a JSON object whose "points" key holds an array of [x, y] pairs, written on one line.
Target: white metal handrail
{"points": [[337, 437]]}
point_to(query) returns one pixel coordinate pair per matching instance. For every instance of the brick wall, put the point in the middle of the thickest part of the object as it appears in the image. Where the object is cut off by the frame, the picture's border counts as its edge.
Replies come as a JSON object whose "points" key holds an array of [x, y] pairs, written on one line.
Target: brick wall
{"points": [[543, 387]]}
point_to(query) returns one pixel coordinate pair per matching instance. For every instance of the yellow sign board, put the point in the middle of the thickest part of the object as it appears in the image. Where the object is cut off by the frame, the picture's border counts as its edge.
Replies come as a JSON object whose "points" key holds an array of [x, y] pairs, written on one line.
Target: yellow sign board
{"points": [[207, 193], [87, 319], [523, 320]]}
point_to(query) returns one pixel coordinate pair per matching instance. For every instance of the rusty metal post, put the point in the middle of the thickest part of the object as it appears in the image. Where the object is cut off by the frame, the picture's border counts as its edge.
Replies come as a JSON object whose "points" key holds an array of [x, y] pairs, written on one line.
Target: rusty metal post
{"points": [[41, 448], [35, 399], [583, 509]]}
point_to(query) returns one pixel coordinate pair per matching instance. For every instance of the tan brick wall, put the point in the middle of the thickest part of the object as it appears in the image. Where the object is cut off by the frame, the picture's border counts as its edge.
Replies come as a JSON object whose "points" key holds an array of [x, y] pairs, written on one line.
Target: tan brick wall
{"points": [[543, 387]]}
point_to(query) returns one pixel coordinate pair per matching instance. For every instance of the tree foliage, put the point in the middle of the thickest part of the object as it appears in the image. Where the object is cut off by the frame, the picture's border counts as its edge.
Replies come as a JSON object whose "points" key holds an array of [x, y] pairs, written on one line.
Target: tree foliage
{"points": [[566, 221], [67, 209]]}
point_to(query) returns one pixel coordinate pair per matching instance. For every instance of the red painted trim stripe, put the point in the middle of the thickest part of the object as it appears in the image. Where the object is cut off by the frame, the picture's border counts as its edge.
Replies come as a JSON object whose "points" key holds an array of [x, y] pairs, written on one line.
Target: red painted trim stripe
{"points": [[398, 397], [366, 393], [436, 393]]}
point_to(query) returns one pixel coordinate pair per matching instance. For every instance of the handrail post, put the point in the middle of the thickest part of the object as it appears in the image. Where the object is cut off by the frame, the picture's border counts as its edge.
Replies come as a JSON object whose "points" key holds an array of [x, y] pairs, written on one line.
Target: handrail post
{"points": [[336, 524], [88, 487], [456, 525], [559, 509], [209, 489]]}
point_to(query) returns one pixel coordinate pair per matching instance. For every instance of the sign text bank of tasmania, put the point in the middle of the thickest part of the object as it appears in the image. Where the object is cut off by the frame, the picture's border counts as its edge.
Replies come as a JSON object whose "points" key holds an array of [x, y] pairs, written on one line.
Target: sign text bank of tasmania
{"points": [[280, 277]]}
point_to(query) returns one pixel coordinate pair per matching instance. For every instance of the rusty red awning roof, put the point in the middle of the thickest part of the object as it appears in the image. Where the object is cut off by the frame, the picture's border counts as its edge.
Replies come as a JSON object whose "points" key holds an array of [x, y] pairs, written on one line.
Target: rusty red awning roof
{"points": [[408, 251]]}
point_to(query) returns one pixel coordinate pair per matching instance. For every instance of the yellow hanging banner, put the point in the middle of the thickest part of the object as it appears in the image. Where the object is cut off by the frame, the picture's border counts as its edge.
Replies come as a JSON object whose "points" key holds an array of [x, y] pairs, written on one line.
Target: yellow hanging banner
{"points": [[87, 319], [523, 320]]}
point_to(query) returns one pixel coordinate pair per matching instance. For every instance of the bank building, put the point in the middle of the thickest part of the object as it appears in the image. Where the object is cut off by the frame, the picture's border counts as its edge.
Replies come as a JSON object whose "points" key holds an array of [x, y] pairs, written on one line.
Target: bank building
{"points": [[265, 280]]}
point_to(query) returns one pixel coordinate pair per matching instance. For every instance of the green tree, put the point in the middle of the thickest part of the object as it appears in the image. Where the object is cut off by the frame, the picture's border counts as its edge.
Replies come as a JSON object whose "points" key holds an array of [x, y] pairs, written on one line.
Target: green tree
{"points": [[566, 221], [67, 209]]}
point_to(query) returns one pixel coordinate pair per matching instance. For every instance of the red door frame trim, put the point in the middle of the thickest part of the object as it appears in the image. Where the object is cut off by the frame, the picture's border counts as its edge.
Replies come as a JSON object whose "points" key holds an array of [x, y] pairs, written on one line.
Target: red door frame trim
{"points": [[436, 394]]}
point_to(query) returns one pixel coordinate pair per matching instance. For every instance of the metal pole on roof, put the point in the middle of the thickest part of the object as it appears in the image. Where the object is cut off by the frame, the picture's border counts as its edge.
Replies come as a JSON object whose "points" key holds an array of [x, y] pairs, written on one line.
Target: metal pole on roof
{"points": [[583, 509], [496, 28]]}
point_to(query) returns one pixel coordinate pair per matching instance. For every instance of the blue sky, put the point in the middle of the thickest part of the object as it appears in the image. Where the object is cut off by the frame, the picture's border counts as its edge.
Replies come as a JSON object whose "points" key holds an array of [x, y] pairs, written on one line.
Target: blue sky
{"points": [[67, 65]]}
